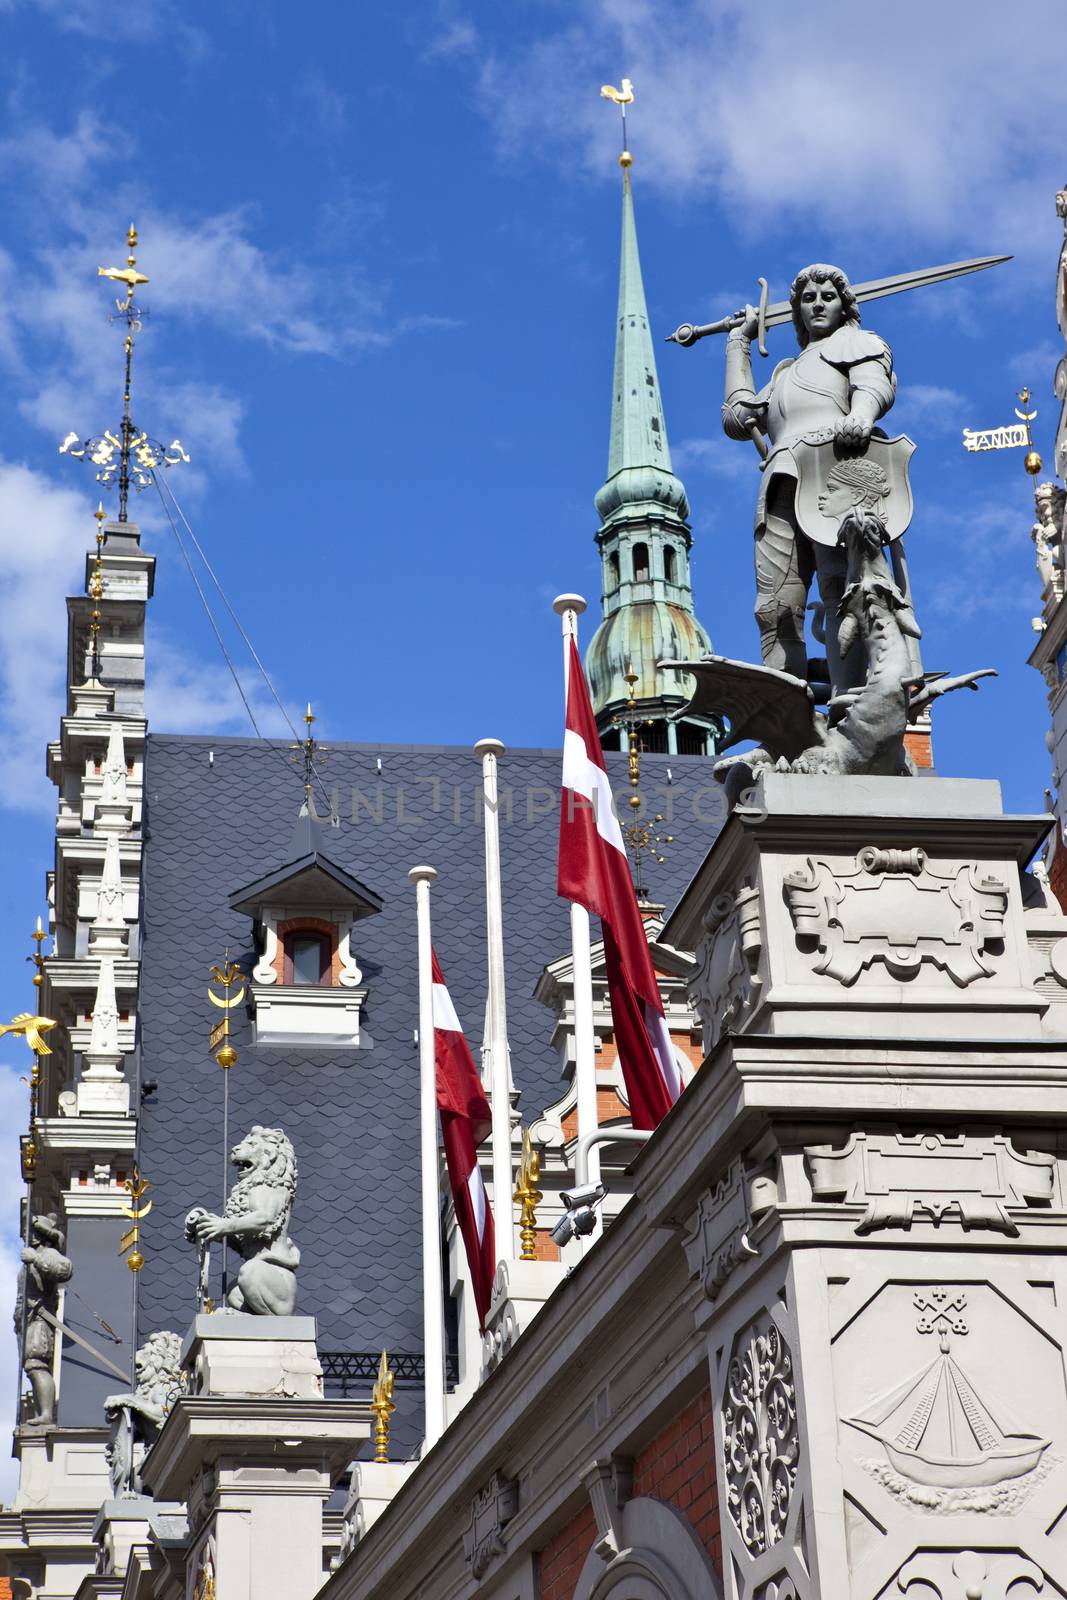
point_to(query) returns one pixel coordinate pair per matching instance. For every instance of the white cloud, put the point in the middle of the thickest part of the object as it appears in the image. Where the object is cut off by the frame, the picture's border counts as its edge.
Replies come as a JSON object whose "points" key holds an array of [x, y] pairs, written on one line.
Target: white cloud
{"points": [[870, 122], [45, 529], [721, 458]]}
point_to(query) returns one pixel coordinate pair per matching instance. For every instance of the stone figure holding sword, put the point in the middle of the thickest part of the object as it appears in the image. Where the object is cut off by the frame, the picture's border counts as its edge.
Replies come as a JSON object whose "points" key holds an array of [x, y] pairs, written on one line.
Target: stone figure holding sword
{"points": [[819, 409]]}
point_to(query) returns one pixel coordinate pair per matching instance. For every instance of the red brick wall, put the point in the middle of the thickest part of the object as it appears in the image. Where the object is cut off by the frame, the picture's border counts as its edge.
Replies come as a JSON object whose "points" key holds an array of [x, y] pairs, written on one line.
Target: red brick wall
{"points": [[677, 1466], [919, 745], [1058, 873], [561, 1561]]}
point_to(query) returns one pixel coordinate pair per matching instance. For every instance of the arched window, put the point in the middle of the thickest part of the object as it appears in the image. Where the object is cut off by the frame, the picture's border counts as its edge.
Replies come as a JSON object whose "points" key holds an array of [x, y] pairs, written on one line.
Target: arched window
{"points": [[640, 563], [613, 564], [669, 563], [308, 957]]}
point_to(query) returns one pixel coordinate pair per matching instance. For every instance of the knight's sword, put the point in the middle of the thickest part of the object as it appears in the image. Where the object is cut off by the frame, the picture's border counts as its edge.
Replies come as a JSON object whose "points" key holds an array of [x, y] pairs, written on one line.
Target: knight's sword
{"points": [[875, 289]]}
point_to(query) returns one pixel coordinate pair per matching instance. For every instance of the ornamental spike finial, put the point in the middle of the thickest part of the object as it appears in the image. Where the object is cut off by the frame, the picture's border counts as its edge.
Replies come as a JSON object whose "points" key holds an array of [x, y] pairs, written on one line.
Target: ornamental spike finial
{"points": [[130, 457], [383, 1406], [529, 1197], [621, 97]]}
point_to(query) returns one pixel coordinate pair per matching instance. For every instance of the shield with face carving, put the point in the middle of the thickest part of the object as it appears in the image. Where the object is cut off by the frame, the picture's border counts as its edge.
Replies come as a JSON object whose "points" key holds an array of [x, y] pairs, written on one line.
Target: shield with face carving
{"points": [[829, 485]]}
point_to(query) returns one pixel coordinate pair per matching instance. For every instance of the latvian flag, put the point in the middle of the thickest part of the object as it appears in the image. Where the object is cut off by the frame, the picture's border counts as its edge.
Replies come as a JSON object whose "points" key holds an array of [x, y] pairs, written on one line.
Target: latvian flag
{"points": [[594, 871], [465, 1121]]}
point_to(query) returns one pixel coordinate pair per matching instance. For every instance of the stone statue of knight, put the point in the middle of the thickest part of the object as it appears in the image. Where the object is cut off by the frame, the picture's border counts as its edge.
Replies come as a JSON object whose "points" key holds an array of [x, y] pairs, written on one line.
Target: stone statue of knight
{"points": [[836, 389]]}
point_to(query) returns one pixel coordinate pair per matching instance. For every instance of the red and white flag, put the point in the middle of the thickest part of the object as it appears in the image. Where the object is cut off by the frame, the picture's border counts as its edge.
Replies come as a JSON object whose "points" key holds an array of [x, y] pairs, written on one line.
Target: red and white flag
{"points": [[465, 1121], [595, 872]]}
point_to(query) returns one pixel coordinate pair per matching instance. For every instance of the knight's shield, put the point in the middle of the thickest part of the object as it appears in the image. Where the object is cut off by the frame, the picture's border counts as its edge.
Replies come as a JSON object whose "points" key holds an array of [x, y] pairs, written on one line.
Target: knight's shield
{"points": [[829, 485]]}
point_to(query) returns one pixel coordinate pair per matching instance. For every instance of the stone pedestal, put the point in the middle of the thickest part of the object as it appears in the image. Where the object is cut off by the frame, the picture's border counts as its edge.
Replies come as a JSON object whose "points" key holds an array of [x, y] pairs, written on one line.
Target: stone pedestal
{"points": [[230, 1353], [255, 1474], [520, 1289], [253, 1452], [62, 1468], [122, 1526], [878, 1258]]}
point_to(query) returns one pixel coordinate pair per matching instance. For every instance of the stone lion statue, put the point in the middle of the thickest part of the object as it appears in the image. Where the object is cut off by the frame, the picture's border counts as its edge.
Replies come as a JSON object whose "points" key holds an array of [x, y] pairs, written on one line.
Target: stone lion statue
{"points": [[136, 1418], [256, 1221]]}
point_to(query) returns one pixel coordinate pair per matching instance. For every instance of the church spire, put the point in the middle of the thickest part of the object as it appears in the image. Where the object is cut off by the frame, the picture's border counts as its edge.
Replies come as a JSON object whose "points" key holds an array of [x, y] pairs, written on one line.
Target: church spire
{"points": [[644, 536]]}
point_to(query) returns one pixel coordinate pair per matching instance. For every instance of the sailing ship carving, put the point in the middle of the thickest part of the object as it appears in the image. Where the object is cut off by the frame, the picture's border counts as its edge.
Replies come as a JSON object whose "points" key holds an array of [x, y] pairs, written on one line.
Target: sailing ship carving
{"points": [[935, 1428]]}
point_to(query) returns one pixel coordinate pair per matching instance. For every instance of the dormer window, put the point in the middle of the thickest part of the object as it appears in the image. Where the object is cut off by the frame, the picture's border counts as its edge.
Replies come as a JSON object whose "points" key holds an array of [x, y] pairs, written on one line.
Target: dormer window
{"points": [[306, 986], [308, 958]]}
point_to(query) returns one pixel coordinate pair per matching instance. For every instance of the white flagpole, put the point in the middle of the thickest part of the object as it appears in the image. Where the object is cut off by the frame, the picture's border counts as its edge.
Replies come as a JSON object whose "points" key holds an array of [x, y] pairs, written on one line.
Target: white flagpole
{"points": [[569, 607], [433, 1307], [499, 1064]]}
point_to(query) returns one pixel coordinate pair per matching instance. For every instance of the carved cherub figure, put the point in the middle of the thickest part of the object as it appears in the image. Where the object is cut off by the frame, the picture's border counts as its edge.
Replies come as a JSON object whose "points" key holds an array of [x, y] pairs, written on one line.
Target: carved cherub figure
{"points": [[256, 1221]]}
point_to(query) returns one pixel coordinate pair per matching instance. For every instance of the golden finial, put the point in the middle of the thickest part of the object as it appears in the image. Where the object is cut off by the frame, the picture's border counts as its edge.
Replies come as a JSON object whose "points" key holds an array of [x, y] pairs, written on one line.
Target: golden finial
{"points": [[381, 1403], [307, 753], [219, 1038], [138, 1187], [622, 98], [529, 1197], [127, 274], [1031, 461]]}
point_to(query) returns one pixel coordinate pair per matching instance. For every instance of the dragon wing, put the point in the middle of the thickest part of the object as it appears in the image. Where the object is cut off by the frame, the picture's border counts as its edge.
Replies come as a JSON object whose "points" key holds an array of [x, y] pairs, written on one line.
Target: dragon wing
{"points": [[760, 703]]}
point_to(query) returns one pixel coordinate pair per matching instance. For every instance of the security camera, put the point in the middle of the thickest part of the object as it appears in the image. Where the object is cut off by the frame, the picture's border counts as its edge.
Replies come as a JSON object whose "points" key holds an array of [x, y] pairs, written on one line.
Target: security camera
{"points": [[580, 1216]]}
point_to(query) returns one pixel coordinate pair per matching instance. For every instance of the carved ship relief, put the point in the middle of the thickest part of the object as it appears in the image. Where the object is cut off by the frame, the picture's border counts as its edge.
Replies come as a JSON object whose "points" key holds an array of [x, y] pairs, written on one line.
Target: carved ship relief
{"points": [[936, 1429]]}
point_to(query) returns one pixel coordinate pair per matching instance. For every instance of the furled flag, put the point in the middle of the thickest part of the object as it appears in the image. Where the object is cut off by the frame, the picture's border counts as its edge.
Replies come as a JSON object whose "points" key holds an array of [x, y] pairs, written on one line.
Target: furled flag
{"points": [[595, 872], [465, 1121]]}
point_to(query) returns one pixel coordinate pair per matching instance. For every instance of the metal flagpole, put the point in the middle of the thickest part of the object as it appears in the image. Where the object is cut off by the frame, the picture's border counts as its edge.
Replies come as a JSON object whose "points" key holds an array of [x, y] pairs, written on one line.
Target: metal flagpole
{"points": [[569, 607], [433, 1310], [499, 1074]]}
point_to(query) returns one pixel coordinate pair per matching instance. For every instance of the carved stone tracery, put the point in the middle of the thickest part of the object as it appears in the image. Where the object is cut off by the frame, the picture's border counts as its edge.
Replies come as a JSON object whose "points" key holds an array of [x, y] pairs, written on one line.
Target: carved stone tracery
{"points": [[760, 1436]]}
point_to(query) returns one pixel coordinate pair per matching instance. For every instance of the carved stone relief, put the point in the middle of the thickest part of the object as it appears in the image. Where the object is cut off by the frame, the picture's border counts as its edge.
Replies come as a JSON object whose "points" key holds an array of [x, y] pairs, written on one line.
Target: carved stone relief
{"points": [[760, 1438], [892, 906], [718, 1241], [777, 1589], [726, 984], [969, 1575], [956, 1429], [974, 1178], [491, 1510]]}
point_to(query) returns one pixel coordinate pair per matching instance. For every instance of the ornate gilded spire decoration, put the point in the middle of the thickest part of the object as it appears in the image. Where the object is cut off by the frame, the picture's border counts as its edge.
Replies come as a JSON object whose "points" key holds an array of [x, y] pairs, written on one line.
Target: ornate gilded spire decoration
{"points": [[641, 835], [382, 1406], [131, 1240], [528, 1196], [622, 98], [306, 753], [130, 456], [32, 1027], [219, 1044], [1014, 436]]}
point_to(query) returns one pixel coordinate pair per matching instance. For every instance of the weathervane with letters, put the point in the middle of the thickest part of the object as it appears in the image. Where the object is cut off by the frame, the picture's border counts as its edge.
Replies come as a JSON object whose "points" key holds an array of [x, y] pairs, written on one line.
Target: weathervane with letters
{"points": [[1015, 436], [834, 501], [129, 456]]}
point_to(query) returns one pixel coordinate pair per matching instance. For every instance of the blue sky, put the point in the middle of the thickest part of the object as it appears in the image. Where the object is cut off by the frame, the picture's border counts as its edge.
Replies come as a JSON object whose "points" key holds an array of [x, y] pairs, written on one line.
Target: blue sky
{"points": [[383, 249]]}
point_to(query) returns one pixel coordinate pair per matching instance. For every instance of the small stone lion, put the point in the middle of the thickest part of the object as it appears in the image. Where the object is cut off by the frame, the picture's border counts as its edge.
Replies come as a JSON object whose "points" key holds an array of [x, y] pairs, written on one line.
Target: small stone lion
{"points": [[256, 1220], [137, 1417]]}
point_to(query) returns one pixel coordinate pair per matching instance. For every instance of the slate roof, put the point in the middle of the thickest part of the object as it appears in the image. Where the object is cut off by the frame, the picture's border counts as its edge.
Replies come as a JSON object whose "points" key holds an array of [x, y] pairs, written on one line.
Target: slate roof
{"points": [[214, 825]]}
